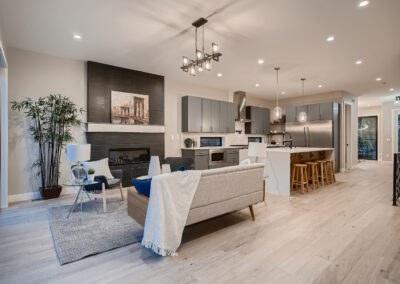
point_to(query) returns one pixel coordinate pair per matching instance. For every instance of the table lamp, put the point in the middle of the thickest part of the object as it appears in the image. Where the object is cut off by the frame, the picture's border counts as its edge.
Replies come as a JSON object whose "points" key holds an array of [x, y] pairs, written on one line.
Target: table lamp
{"points": [[154, 167], [78, 153], [257, 150]]}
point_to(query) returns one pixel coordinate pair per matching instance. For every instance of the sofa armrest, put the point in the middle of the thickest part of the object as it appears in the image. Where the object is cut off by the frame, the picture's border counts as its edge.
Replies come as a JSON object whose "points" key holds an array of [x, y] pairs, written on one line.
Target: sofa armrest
{"points": [[117, 173]]}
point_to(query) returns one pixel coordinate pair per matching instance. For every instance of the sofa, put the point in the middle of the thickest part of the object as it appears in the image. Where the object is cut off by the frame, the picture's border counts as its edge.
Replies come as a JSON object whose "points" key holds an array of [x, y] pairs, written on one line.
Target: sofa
{"points": [[220, 191]]}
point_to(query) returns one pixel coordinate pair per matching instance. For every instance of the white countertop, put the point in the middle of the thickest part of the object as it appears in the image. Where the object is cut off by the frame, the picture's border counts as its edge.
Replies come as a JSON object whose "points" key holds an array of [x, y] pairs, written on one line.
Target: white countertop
{"points": [[297, 149], [208, 148]]}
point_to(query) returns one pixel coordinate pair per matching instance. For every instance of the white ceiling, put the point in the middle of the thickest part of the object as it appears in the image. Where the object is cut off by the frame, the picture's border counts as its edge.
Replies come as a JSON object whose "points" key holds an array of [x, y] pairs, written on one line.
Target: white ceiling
{"points": [[149, 35]]}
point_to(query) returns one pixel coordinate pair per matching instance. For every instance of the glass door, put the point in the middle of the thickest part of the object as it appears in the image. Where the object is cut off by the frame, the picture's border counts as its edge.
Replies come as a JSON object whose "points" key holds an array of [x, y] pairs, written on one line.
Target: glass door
{"points": [[368, 138]]}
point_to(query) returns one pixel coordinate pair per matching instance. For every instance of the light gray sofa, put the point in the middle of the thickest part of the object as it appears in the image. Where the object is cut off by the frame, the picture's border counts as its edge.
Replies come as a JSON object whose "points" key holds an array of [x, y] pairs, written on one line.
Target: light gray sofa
{"points": [[220, 191]]}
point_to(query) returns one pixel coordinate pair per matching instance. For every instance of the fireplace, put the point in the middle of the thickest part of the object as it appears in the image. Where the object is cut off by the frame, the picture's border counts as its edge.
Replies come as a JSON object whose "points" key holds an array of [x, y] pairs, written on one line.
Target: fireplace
{"points": [[126, 156]]}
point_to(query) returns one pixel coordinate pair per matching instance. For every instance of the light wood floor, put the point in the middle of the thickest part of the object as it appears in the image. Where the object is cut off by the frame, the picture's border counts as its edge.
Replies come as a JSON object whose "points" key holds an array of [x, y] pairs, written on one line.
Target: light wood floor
{"points": [[347, 233]]}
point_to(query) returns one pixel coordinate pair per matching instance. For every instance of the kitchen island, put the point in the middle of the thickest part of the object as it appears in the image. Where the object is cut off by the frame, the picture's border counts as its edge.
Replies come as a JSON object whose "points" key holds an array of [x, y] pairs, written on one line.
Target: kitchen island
{"points": [[278, 165]]}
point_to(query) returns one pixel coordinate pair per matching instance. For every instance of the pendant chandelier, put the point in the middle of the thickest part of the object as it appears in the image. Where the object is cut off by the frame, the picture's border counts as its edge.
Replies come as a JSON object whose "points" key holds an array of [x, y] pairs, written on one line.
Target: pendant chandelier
{"points": [[302, 115], [277, 111], [202, 60]]}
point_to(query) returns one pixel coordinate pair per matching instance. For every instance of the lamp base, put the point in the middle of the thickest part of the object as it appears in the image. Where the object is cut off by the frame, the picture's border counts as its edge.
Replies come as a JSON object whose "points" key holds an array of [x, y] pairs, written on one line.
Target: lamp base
{"points": [[79, 173]]}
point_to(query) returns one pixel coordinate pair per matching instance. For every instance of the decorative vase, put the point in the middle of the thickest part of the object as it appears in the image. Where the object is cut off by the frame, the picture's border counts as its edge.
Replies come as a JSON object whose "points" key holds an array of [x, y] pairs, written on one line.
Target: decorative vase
{"points": [[50, 192], [154, 167], [91, 178]]}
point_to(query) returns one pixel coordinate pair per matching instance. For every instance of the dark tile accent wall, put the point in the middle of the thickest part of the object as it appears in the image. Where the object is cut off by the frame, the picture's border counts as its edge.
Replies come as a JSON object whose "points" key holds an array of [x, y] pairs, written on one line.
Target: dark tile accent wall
{"points": [[102, 79]]}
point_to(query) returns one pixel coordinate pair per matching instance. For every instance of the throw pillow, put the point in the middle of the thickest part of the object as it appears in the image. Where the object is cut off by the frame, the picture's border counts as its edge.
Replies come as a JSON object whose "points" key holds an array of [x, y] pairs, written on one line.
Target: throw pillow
{"points": [[101, 168], [142, 186], [245, 162], [181, 169]]}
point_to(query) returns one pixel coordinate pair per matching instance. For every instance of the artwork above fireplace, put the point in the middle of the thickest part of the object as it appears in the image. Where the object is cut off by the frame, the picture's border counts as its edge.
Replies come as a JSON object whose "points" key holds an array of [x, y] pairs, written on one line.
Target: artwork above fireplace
{"points": [[126, 156]]}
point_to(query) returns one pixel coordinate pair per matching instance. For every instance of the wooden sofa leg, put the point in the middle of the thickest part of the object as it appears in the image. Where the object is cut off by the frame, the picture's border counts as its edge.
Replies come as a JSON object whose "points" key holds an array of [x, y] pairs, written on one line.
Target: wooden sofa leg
{"points": [[252, 213], [103, 186], [120, 189]]}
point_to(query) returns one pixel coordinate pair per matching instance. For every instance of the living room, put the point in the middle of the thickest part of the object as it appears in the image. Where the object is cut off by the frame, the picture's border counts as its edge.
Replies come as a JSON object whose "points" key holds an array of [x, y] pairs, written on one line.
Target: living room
{"points": [[223, 142]]}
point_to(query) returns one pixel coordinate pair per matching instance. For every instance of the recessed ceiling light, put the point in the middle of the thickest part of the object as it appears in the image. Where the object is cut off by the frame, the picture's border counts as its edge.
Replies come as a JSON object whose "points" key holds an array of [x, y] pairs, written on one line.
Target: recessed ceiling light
{"points": [[391, 90], [219, 74], [283, 93], [257, 85], [320, 86], [379, 79], [369, 105], [330, 38], [358, 62], [260, 61], [363, 3], [77, 36]]}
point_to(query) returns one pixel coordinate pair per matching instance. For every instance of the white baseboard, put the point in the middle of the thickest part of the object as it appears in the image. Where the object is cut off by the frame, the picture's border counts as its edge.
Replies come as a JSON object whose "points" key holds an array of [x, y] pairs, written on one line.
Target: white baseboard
{"points": [[36, 195], [387, 162]]}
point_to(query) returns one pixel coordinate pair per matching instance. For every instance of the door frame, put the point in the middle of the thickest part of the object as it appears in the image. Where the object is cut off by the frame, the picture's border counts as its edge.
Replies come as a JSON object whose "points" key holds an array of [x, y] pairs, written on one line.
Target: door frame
{"points": [[395, 131], [348, 141], [4, 129], [377, 133]]}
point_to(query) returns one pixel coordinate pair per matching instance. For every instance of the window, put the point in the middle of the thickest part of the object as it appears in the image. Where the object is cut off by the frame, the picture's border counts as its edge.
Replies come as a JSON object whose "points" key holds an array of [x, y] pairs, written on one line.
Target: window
{"points": [[210, 141], [367, 138]]}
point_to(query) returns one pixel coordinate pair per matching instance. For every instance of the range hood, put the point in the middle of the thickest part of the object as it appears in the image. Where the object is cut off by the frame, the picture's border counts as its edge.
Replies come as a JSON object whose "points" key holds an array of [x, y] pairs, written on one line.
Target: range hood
{"points": [[239, 99]]}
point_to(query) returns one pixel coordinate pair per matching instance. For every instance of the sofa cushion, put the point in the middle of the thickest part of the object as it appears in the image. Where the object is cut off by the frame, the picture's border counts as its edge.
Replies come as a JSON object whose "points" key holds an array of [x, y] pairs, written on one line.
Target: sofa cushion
{"points": [[142, 186], [181, 169], [101, 168]]}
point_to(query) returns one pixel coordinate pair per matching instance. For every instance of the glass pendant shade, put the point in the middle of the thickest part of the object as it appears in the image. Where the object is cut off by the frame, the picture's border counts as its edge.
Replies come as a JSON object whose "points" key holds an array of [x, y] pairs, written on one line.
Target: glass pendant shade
{"points": [[199, 54], [208, 65], [185, 60], [215, 47], [397, 101], [302, 117], [277, 113], [192, 71]]}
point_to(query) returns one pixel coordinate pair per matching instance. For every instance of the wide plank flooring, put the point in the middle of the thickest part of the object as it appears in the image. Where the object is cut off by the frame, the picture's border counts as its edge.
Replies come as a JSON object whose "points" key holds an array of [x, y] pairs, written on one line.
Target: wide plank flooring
{"points": [[342, 233]]}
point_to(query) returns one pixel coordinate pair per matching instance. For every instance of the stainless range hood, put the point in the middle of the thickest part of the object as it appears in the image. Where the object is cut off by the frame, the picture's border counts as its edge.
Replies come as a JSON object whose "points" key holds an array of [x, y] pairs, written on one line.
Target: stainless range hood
{"points": [[239, 99]]}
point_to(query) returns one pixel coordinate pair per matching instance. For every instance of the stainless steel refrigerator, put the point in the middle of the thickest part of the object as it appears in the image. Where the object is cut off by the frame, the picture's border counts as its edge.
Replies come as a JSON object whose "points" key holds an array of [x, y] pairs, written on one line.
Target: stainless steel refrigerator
{"points": [[317, 133]]}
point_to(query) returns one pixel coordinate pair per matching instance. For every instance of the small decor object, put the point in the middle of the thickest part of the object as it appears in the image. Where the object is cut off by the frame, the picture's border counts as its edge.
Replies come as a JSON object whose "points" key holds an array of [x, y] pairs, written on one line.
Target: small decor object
{"points": [[166, 169], [78, 153], [202, 59], [91, 172], [257, 150], [128, 108], [188, 142], [52, 119], [154, 167]]}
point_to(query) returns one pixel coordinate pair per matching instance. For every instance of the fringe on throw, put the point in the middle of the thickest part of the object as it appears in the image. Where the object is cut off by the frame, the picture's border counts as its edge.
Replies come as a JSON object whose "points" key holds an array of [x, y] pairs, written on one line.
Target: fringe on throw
{"points": [[158, 250]]}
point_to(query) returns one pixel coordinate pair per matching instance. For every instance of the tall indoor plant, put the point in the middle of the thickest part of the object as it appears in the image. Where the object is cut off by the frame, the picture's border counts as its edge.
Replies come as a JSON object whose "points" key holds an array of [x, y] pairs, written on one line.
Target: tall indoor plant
{"points": [[52, 119]]}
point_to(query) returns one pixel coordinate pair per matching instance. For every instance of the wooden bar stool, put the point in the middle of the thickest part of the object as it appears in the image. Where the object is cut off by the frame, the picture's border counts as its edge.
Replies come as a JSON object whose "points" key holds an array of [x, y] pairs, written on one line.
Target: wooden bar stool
{"points": [[323, 174], [331, 171], [299, 177], [312, 171]]}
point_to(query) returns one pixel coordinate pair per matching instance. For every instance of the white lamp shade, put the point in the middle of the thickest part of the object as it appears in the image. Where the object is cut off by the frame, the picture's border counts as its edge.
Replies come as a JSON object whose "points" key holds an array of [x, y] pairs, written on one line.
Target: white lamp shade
{"points": [[257, 150], [78, 152], [154, 167]]}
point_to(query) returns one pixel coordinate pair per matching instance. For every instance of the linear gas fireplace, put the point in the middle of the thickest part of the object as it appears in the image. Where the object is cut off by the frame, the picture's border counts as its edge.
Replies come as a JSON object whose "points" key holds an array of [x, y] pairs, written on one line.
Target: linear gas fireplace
{"points": [[126, 156]]}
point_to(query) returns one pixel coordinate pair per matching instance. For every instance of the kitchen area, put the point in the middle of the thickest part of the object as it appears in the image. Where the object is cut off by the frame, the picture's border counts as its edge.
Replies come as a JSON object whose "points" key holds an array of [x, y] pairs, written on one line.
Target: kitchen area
{"points": [[217, 134]]}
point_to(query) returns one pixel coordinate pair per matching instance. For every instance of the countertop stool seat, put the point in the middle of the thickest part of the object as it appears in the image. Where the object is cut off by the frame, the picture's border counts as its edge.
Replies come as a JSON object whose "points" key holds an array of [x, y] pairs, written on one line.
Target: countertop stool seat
{"points": [[299, 177], [312, 171], [323, 173], [331, 171]]}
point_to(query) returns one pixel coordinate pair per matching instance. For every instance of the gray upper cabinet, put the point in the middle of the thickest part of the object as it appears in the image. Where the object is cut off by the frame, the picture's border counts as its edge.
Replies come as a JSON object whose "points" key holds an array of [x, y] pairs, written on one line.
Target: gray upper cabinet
{"points": [[260, 119], [313, 112], [326, 110], [291, 114], [205, 115], [191, 114]]}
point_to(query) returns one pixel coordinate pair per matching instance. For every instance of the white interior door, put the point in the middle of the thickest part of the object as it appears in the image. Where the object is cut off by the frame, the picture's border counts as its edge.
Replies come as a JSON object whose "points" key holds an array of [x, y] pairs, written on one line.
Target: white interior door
{"points": [[348, 142], [4, 132]]}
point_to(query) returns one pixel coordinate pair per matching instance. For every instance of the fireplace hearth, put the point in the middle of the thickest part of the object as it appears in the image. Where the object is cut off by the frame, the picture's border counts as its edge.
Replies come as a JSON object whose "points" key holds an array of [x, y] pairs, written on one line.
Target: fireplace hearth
{"points": [[126, 156]]}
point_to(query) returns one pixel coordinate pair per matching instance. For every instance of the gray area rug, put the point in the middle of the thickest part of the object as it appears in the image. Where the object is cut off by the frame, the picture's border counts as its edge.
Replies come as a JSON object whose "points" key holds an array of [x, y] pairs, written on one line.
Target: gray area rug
{"points": [[88, 232]]}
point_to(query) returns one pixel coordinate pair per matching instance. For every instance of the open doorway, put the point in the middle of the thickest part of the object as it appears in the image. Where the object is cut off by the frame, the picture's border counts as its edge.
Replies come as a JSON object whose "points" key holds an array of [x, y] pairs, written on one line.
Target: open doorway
{"points": [[347, 139], [368, 138], [3, 131]]}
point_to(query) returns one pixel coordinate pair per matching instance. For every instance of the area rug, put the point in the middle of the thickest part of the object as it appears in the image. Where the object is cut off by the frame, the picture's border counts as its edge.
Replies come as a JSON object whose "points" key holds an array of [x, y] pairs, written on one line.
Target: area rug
{"points": [[89, 232]]}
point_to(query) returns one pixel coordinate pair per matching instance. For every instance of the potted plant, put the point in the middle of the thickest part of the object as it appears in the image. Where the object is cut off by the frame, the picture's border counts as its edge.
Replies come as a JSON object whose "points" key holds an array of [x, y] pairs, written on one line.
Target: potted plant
{"points": [[91, 172], [188, 142], [52, 119]]}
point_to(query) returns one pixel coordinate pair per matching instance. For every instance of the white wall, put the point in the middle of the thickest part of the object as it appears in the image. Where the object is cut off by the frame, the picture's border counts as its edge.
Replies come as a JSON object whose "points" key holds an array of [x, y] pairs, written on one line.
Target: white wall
{"points": [[353, 101], [374, 111], [36, 75], [388, 124]]}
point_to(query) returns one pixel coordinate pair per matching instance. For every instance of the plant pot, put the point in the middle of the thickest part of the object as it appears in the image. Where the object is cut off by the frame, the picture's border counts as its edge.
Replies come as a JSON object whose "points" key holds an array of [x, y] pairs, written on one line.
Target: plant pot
{"points": [[188, 143], [90, 178], [50, 192]]}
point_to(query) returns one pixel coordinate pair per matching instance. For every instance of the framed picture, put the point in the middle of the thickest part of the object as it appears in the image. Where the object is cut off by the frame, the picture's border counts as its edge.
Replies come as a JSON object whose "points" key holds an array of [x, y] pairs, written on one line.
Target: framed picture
{"points": [[129, 108]]}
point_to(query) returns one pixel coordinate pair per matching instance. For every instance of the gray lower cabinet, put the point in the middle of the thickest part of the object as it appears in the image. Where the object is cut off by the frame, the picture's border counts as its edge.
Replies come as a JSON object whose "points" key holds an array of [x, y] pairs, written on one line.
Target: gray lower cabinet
{"points": [[191, 114], [260, 120], [200, 157], [232, 157], [206, 115]]}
